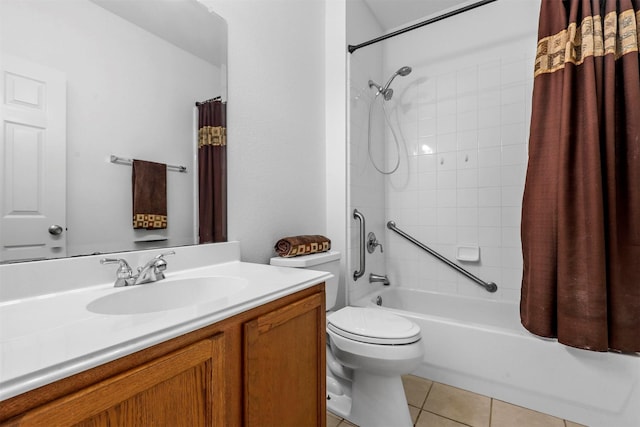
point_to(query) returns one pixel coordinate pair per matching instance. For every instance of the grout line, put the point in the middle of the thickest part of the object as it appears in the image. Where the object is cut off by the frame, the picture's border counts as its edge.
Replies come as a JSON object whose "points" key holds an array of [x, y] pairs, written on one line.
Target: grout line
{"points": [[424, 402], [490, 412], [447, 418]]}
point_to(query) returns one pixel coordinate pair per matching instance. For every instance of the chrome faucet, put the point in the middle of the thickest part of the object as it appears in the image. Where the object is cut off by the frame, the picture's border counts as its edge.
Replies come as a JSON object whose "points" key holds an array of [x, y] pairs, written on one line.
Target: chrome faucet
{"points": [[151, 272], [378, 278]]}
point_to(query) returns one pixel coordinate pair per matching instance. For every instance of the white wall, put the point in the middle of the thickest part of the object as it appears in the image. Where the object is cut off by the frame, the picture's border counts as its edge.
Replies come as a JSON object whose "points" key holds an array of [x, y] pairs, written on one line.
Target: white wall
{"points": [[123, 100], [336, 132], [463, 114], [276, 121]]}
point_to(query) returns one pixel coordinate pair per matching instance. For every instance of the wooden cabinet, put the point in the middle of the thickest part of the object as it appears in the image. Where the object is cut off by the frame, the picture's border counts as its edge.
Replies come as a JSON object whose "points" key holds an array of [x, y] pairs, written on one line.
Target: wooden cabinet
{"points": [[264, 367], [285, 366]]}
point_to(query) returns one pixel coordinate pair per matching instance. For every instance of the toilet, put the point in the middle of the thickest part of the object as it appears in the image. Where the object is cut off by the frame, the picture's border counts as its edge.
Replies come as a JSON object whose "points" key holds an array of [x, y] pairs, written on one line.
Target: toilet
{"points": [[368, 350]]}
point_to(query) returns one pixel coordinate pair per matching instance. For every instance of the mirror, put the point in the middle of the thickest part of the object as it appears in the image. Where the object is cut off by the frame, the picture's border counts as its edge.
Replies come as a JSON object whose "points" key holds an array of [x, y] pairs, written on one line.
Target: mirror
{"points": [[84, 80]]}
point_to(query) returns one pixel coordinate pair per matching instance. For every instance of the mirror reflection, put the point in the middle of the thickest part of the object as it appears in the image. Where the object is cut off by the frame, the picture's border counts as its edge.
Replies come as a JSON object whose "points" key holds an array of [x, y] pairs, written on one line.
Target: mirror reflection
{"points": [[87, 80]]}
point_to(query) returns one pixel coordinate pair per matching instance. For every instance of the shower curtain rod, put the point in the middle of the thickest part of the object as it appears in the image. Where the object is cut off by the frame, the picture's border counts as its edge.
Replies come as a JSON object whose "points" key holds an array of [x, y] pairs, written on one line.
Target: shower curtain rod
{"points": [[353, 48]]}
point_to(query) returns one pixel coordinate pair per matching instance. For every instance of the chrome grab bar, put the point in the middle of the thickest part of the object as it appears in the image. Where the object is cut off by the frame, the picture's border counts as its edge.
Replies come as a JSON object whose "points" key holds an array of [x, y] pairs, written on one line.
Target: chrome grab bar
{"points": [[359, 273], [489, 286]]}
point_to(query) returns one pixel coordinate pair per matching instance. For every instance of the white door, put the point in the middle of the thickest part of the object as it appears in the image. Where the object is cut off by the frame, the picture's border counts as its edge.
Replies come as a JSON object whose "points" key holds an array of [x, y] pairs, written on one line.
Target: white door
{"points": [[32, 161]]}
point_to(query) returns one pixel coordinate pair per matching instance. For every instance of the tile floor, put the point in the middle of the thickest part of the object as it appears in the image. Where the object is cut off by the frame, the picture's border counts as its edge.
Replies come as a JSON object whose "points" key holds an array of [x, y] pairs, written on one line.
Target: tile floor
{"points": [[432, 404]]}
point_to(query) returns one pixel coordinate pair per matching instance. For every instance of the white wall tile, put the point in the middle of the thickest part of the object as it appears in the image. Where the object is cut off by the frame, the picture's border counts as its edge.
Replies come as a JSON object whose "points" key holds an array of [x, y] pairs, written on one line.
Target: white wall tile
{"points": [[514, 154], [467, 159], [467, 235], [489, 236], [467, 121], [489, 75], [489, 117], [467, 140], [446, 143], [447, 234], [446, 86], [447, 107], [489, 197], [467, 178], [467, 217], [446, 123], [512, 196], [512, 94], [447, 217], [467, 81], [513, 113], [489, 157], [447, 161], [489, 137], [489, 217], [467, 197], [513, 134], [447, 198], [447, 179], [488, 98], [489, 177], [467, 102]]}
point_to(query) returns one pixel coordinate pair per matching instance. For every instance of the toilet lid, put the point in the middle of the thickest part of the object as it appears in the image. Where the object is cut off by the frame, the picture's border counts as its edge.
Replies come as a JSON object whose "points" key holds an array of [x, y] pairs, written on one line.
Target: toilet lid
{"points": [[372, 325]]}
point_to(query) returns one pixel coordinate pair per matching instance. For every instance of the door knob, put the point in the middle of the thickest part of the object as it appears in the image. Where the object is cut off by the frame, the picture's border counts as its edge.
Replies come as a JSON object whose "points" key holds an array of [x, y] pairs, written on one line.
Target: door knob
{"points": [[55, 230]]}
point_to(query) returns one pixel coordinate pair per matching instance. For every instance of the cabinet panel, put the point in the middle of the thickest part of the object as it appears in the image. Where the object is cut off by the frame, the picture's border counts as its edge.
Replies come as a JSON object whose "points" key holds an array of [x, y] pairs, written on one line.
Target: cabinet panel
{"points": [[184, 388], [284, 366]]}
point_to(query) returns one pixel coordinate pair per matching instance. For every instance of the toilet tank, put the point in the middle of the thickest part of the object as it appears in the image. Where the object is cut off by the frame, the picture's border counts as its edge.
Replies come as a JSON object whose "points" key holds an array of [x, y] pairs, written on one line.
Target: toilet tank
{"points": [[324, 261]]}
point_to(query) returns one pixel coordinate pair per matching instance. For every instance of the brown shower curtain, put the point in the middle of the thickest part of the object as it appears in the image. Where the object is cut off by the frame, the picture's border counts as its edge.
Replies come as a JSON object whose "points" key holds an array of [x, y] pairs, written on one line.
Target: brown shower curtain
{"points": [[581, 206], [212, 170]]}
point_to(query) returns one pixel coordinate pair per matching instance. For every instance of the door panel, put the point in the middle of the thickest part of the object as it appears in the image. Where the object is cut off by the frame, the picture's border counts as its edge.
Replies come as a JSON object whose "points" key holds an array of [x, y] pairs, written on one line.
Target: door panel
{"points": [[33, 159]]}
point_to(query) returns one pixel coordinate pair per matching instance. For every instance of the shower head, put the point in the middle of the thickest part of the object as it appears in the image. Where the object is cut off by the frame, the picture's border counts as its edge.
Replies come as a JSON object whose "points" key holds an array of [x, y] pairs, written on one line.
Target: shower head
{"points": [[386, 91], [404, 71]]}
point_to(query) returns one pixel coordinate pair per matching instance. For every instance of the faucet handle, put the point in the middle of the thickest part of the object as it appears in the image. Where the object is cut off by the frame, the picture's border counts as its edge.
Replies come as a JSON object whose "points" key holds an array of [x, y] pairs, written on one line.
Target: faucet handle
{"points": [[124, 274], [372, 242], [164, 254]]}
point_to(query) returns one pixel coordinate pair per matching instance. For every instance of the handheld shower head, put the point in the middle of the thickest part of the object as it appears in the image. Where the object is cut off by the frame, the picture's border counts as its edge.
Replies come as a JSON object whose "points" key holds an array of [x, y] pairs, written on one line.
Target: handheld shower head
{"points": [[404, 71], [386, 91]]}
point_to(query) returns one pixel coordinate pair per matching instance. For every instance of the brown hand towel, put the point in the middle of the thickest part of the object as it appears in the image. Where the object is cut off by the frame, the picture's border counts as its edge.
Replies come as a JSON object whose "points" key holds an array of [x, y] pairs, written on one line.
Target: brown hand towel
{"points": [[302, 245], [149, 188]]}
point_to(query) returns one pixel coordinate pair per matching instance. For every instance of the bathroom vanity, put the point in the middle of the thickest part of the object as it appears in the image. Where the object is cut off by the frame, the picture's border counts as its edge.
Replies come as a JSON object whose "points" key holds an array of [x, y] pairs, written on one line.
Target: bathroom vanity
{"points": [[255, 357]]}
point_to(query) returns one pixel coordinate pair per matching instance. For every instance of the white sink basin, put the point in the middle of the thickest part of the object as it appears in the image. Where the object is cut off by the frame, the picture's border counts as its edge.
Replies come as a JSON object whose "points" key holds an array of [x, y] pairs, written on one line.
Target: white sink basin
{"points": [[167, 295]]}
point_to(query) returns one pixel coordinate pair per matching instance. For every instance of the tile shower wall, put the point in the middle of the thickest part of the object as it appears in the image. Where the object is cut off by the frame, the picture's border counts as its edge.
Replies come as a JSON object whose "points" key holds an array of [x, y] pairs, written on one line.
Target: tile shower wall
{"points": [[463, 119]]}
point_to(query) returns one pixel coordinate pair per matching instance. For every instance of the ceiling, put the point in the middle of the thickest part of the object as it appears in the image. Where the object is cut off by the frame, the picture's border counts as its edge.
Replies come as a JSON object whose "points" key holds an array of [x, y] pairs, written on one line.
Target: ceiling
{"points": [[392, 14]]}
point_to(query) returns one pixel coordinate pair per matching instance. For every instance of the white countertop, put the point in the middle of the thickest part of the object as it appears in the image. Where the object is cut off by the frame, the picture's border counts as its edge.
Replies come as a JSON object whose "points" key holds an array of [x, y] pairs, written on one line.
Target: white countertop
{"points": [[47, 337]]}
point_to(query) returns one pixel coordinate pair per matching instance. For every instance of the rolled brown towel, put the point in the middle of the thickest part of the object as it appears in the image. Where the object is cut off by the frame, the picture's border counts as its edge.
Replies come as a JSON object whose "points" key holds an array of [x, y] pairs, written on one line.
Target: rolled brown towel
{"points": [[302, 245]]}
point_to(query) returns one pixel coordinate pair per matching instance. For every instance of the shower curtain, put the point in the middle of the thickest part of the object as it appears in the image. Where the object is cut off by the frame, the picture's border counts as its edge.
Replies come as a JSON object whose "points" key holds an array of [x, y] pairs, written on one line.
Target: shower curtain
{"points": [[581, 205], [212, 170]]}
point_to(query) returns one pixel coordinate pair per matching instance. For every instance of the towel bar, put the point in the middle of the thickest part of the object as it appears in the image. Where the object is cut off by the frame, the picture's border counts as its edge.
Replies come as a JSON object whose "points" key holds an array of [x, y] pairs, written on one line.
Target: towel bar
{"points": [[124, 161]]}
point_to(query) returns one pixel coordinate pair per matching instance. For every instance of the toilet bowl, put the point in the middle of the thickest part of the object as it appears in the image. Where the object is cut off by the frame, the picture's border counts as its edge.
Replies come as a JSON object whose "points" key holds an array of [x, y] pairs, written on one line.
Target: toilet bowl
{"points": [[368, 350]]}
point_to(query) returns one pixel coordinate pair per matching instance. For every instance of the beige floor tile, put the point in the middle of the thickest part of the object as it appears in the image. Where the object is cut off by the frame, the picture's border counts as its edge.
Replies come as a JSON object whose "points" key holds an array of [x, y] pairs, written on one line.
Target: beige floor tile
{"points": [[572, 424], [416, 389], [459, 405], [507, 415], [332, 420], [346, 423], [427, 419]]}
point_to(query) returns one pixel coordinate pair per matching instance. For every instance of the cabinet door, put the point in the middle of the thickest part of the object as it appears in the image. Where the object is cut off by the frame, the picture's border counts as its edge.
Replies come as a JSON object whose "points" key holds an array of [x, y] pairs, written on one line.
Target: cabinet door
{"points": [[285, 377], [183, 388]]}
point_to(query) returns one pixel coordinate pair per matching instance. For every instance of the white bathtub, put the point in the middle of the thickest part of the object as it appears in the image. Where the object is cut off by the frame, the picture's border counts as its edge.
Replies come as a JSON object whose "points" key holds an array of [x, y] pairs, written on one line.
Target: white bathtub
{"points": [[480, 345]]}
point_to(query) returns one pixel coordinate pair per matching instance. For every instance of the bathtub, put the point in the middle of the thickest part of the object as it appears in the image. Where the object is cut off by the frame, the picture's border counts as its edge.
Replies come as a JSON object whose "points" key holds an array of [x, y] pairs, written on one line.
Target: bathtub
{"points": [[479, 345]]}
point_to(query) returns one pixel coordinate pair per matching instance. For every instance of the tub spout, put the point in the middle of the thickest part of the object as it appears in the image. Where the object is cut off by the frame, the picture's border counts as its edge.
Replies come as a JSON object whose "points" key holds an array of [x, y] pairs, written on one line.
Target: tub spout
{"points": [[373, 278]]}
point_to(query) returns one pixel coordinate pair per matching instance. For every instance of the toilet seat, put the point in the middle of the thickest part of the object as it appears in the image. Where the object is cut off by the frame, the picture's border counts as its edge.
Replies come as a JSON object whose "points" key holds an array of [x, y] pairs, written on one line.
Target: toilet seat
{"points": [[373, 326]]}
